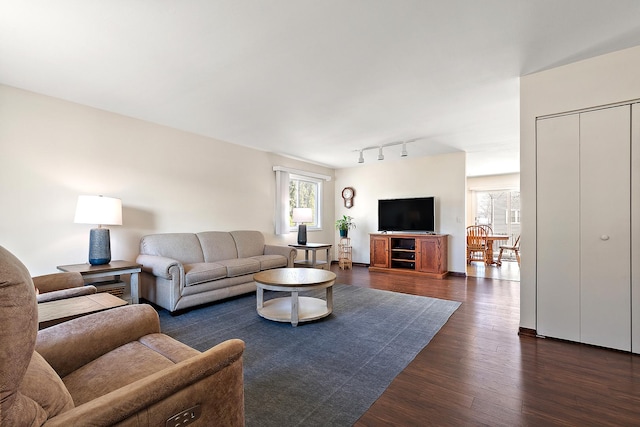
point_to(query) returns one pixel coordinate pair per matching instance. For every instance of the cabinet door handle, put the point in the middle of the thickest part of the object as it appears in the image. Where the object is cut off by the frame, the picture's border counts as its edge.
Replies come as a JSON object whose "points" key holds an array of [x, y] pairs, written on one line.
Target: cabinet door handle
{"points": [[604, 237]]}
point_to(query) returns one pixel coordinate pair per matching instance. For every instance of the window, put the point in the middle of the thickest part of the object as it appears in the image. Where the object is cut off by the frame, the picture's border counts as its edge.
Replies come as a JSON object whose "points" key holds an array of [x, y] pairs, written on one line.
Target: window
{"points": [[500, 210], [515, 216], [305, 192], [297, 189]]}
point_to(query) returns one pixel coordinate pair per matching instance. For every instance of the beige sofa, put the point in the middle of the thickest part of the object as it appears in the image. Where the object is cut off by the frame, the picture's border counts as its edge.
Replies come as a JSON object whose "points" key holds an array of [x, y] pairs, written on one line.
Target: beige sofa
{"points": [[182, 270]]}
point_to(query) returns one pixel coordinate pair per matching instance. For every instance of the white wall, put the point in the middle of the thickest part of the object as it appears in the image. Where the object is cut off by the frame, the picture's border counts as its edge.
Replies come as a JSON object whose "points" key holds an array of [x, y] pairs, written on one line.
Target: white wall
{"points": [[51, 151], [598, 81], [440, 176]]}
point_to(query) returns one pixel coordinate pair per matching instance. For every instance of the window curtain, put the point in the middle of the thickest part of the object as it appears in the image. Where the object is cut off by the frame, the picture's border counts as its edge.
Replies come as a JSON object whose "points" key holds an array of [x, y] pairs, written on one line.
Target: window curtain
{"points": [[282, 202]]}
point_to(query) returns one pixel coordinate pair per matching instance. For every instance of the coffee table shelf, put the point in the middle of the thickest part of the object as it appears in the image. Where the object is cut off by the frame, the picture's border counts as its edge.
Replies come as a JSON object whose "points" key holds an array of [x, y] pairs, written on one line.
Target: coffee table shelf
{"points": [[279, 309]]}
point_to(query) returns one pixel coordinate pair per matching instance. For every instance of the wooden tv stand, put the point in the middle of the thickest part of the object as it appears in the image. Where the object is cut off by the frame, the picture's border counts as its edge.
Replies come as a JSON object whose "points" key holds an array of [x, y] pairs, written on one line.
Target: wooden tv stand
{"points": [[419, 254]]}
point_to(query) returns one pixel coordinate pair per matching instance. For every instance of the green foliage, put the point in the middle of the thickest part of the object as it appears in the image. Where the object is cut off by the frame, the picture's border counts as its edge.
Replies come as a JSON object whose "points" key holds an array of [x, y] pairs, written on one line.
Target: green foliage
{"points": [[345, 223]]}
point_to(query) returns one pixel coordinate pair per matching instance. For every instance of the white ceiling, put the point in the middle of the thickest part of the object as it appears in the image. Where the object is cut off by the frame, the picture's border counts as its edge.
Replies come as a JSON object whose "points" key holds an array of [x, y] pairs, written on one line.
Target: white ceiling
{"points": [[312, 79]]}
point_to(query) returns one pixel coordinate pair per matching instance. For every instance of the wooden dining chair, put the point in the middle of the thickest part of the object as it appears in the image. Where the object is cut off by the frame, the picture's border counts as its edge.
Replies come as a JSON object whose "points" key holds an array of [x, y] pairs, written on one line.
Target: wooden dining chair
{"points": [[515, 248], [488, 228], [476, 243]]}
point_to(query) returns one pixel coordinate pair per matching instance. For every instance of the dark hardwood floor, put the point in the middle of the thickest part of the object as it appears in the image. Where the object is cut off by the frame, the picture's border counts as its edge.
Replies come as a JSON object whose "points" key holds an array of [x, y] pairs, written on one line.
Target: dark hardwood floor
{"points": [[478, 371], [509, 270]]}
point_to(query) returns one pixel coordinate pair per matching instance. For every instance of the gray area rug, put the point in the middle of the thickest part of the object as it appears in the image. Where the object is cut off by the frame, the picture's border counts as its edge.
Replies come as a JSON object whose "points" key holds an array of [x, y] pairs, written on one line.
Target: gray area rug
{"points": [[322, 373]]}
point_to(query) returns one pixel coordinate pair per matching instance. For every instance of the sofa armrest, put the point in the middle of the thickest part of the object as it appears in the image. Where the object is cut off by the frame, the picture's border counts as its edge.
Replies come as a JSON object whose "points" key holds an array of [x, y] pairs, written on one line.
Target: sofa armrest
{"points": [[57, 281], [286, 251], [66, 293], [212, 379], [69, 345], [159, 266]]}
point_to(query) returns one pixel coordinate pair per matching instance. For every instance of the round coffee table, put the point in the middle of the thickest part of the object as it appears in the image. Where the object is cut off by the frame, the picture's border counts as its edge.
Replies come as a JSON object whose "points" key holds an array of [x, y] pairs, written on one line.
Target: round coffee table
{"points": [[294, 309]]}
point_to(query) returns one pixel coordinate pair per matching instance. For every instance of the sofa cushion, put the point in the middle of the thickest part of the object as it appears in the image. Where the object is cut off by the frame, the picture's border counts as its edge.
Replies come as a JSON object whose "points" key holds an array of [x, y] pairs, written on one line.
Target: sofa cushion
{"points": [[203, 272], [240, 267], [217, 245], [184, 247], [248, 242], [270, 261]]}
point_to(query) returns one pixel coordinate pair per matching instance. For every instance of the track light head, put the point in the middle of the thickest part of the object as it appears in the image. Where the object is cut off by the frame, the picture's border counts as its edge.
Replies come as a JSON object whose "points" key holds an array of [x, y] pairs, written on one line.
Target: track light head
{"points": [[403, 153]]}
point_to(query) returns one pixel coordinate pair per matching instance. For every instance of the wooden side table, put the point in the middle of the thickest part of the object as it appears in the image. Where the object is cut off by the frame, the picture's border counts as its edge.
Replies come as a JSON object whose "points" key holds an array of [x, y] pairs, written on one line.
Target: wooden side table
{"points": [[313, 262], [54, 312], [113, 269]]}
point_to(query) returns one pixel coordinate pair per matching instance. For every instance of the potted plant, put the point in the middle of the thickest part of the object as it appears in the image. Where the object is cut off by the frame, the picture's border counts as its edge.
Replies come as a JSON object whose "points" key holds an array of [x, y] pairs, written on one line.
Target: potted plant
{"points": [[344, 224]]}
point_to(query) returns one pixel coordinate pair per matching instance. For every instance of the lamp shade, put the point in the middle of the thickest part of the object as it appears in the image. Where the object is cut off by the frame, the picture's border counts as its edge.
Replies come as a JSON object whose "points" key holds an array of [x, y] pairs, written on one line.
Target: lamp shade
{"points": [[301, 215], [98, 210]]}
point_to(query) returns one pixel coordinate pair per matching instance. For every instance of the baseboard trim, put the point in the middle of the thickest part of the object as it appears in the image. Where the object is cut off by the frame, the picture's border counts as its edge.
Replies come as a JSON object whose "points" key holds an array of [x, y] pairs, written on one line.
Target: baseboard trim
{"points": [[357, 264], [527, 332], [365, 265], [457, 274], [409, 272]]}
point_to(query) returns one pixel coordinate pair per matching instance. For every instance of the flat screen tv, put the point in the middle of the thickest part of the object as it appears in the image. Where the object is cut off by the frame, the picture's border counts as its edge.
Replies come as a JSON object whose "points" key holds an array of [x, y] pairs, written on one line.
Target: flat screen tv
{"points": [[415, 215]]}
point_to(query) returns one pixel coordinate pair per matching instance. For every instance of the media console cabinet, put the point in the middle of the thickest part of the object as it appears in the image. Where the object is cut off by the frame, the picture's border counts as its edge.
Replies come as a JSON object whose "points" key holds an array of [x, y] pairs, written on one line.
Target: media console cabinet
{"points": [[420, 254]]}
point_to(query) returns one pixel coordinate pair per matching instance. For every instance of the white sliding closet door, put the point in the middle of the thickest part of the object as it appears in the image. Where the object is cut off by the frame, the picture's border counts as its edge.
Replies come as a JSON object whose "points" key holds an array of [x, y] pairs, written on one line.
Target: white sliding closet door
{"points": [[558, 235], [605, 227], [635, 228]]}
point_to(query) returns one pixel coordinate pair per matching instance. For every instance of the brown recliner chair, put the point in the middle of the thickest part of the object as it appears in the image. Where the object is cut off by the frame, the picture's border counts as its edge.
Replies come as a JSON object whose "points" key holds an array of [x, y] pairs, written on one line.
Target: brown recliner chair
{"points": [[108, 368], [56, 286]]}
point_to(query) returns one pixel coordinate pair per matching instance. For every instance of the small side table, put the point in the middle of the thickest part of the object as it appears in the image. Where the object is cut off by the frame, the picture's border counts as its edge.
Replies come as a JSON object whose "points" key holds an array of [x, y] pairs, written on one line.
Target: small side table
{"points": [[344, 253], [313, 262], [113, 269]]}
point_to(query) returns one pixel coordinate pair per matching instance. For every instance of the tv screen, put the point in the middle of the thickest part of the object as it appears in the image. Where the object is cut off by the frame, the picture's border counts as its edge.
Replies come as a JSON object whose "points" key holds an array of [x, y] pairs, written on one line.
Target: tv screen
{"points": [[413, 215]]}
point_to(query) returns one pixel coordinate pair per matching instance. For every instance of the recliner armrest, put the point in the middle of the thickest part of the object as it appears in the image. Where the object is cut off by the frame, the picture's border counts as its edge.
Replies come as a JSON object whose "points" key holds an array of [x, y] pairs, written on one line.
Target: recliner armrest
{"points": [[66, 293], [212, 379], [72, 344], [57, 281]]}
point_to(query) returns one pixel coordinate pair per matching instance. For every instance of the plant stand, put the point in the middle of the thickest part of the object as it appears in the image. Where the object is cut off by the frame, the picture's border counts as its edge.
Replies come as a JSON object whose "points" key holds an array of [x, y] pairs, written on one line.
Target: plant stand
{"points": [[344, 253]]}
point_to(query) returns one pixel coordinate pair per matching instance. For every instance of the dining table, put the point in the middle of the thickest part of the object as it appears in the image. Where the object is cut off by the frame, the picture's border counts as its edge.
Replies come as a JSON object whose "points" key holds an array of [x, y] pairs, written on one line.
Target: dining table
{"points": [[489, 252]]}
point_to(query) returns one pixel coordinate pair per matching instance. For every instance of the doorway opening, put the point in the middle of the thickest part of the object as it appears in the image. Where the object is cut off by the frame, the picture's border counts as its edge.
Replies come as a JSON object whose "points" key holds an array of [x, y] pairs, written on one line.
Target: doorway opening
{"points": [[494, 202]]}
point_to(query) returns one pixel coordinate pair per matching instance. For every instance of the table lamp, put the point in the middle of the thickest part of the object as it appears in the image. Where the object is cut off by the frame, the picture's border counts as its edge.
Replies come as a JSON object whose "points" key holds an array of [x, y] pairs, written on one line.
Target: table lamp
{"points": [[302, 215], [101, 211]]}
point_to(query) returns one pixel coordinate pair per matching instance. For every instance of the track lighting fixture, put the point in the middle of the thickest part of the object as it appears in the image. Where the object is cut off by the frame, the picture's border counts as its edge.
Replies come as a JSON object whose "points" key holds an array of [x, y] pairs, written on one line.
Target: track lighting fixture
{"points": [[403, 153]]}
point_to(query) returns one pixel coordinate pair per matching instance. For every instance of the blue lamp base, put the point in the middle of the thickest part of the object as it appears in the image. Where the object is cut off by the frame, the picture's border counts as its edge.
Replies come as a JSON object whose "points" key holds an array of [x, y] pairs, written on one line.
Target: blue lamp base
{"points": [[99, 246]]}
